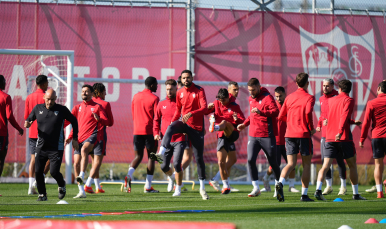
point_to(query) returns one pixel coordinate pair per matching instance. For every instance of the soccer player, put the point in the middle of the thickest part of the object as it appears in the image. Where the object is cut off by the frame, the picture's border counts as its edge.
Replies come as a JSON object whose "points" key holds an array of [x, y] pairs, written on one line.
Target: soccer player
{"points": [[375, 113], [6, 115], [98, 153], [31, 101], [280, 96], [227, 115], [89, 115], [262, 131], [191, 103], [50, 144], [339, 138], [297, 112], [143, 108], [164, 114], [233, 90]]}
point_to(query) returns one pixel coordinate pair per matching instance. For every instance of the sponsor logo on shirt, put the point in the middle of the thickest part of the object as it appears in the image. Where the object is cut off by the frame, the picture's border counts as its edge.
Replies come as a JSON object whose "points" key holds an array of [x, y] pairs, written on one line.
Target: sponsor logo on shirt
{"points": [[250, 102], [40, 112], [80, 108], [194, 96], [164, 107], [182, 95], [229, 110], [260, 102], [56, 113], [92, 109]]}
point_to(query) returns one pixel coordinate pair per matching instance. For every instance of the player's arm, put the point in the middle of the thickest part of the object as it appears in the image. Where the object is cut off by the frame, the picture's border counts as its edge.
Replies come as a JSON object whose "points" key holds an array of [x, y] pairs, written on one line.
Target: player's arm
{"points": [[26, 108], [211, 108], [321, 118], [157, 123], [240, 115], [203, 104], [243, 125], [68, 116], [109, 115], [30, 119], [74, 112], [10, 117], [309, 113], [103, 120], [177, 113], [283, 112], [366, 123], [271, 109], [344, 116]]}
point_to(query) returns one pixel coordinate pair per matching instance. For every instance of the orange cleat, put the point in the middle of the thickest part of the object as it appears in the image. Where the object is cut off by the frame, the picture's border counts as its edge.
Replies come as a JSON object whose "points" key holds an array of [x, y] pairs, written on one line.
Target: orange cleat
{"points": [[100, 191], [226, 191], [127, 185], [380, 195], [88, 189]]}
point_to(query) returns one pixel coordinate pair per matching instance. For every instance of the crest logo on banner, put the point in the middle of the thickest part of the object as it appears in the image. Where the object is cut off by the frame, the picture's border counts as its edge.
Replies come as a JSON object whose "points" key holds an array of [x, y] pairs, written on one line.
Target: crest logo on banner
{"points": [[339, 56]]}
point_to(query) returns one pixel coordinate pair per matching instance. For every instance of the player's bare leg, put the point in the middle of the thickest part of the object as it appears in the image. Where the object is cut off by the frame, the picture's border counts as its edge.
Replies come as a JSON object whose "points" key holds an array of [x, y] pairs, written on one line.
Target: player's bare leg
{"points": [[31, 175], [186, 159], [291, 164], [231, 160], [221, 157], [77, 159], [86, 149], [96, 164], [352, 164], [150, 172], [378, 170], [321, 176]]}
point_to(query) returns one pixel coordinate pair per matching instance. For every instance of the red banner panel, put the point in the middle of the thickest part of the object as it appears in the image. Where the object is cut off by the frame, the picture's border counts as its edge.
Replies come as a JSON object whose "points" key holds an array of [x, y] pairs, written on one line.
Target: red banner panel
{"points": [[275, 47]]}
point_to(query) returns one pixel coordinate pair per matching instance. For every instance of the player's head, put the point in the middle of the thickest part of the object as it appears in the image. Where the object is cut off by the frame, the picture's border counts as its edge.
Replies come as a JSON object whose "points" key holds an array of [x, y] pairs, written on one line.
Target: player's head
{"points": [[223, 96], [328, 85], [50, 98], [345, 86], [186, 78], [87, 92], [254, 87], [233, 88], [2, 82], [42, 82], [280, 94], [171, 88], [99, 90], [151, 83], [302, 80], [179, 83], [381, 87]]}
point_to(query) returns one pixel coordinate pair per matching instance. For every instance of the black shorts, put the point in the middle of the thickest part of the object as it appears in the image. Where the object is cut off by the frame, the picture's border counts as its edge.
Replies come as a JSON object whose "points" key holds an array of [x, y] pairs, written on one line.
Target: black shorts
{"points": [[177, 151], [345, 149], [142, 141], [225, 142], [379, 147], [32, 145], [3, 143], [296, 145], [280, 151], [92, 139]]}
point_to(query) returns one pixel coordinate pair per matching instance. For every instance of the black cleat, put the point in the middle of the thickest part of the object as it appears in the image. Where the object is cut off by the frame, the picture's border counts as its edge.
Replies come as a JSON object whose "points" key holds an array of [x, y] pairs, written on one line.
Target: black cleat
{"points": [[62, 191], [305, 198], [318, 195], [42, 197], [156, 157], [358, 197], [279, 192]]}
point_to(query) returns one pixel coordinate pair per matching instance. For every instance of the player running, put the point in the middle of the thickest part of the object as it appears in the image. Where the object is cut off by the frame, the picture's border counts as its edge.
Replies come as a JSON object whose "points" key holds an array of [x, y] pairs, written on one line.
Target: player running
{"points": [[50, 118], [164, 114], [261, 132], [143, 108], [280, 96], [6, 115], [375, 113], [339, 138], [297, 112], [227, 115], [31, 101], [98, 154], [89, 115], [191, 103], [233, 90]]}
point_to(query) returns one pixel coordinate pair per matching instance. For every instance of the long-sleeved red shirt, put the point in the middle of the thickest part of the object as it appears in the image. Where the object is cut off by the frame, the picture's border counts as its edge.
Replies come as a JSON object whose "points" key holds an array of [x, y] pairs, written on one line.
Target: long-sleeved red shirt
{"points": [[338, 121], [31, 101], [222, 112], [297, 112], [87, 124], [143, 108], [324, 109], [109, 114], [263, 124], [164, 114], [193, 100], [6, 114], [281, 127], [375, 113]]}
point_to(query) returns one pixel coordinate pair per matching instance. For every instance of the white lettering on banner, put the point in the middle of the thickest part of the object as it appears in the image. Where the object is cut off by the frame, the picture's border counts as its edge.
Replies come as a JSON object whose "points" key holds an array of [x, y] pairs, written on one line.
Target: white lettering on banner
{"points": [[80, 71], [114, 96], [18, 75], [337, 55], [137, 87], [165, 73]]}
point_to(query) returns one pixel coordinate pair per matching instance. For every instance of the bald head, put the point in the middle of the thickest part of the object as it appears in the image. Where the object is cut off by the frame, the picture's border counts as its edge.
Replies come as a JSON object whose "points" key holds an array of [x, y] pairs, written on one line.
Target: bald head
{"points": [[50, 98]]}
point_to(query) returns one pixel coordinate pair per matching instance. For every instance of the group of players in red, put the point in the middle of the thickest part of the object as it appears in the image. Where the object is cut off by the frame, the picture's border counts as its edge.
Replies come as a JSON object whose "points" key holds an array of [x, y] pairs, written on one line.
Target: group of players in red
{"points": [[282, 127]]}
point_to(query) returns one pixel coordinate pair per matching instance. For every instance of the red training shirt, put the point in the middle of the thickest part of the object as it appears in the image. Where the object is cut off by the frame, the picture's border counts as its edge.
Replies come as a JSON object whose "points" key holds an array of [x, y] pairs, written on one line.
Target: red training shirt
{"points": [[193, 100], [263, 124], [31, 101], [143, 108], [281, 127], [376, 113], [340, 111], [164, 114], [324, 109], [6, 114], [297, 112]]}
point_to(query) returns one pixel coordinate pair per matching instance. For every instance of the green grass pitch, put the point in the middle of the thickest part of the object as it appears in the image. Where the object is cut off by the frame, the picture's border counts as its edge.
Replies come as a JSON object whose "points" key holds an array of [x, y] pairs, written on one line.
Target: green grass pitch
{"points": [[258, 212]]}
